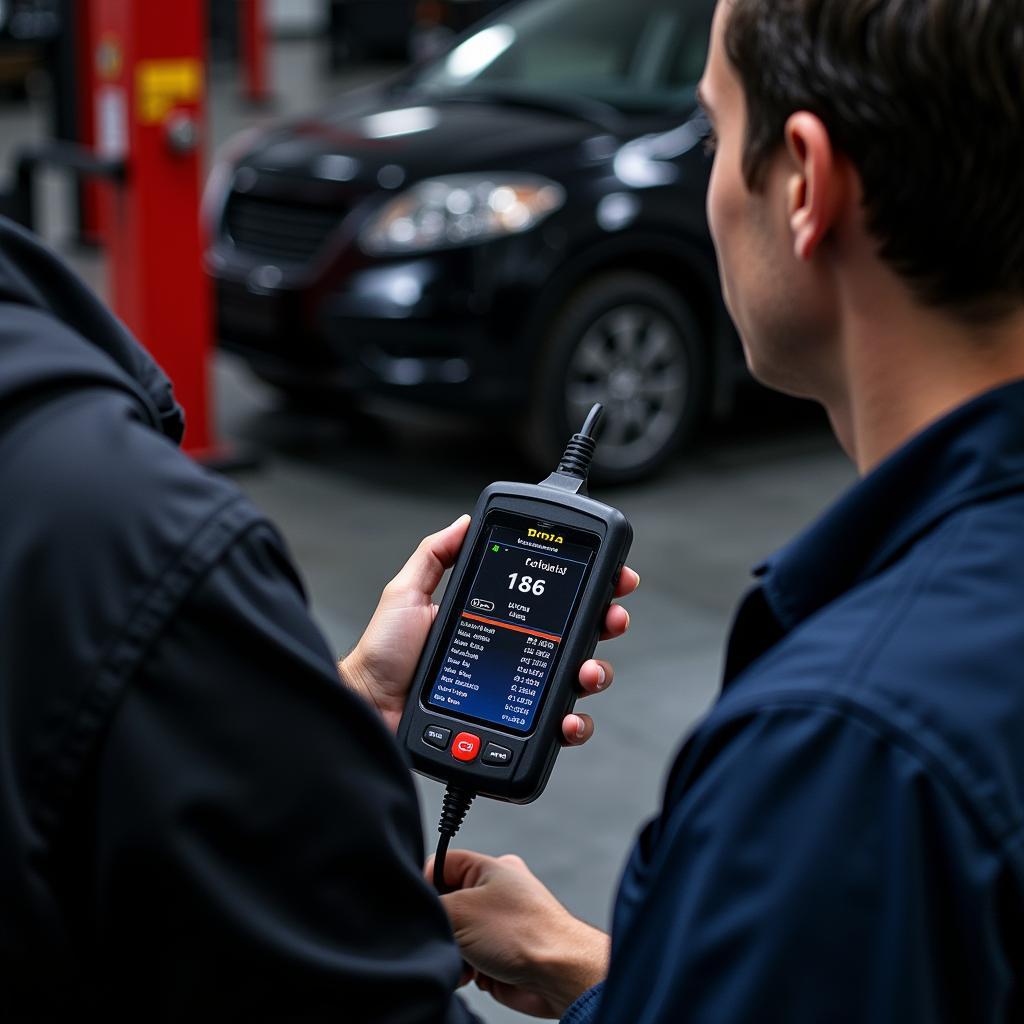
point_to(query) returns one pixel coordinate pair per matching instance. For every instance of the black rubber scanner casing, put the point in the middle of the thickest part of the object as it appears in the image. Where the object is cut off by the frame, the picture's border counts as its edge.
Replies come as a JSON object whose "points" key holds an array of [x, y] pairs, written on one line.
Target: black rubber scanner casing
{"points": [[533, 755]]}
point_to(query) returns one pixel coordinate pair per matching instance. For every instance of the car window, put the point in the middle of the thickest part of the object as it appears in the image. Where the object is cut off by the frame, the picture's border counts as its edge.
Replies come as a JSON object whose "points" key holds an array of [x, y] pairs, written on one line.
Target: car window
{"points": [[631, 53]]}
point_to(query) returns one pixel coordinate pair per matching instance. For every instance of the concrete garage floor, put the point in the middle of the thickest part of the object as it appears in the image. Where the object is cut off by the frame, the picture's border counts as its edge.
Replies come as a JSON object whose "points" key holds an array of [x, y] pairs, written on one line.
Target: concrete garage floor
{"points": [[354, 501]]}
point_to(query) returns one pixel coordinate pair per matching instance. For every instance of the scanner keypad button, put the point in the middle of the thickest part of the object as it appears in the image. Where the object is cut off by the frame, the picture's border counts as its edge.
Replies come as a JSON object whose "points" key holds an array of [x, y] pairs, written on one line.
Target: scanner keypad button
{"points": [[497, 757], [435, 736], [466, 747]]}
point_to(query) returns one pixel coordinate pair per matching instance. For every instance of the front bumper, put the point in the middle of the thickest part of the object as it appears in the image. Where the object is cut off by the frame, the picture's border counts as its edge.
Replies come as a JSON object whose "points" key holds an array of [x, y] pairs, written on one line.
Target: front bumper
{"points": [[432, 330]]}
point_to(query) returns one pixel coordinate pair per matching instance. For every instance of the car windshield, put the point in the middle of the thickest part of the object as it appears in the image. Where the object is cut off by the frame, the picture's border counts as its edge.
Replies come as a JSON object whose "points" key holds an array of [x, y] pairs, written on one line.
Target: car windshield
{"points": [[634, 55]]}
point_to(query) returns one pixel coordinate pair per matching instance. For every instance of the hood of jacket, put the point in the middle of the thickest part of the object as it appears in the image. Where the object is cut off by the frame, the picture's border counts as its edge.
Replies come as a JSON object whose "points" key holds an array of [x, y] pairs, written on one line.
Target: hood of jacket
{"points": [[55, 333]]}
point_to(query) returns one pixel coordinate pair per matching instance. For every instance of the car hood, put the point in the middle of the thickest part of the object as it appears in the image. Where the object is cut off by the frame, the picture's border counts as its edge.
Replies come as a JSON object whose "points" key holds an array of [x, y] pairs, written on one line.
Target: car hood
{"points": [[381, 139]]}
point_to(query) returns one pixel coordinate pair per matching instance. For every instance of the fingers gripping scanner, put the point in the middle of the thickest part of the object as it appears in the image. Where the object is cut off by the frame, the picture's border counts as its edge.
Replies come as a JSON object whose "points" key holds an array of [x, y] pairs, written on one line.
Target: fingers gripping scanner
{"points": [[524, 608]]}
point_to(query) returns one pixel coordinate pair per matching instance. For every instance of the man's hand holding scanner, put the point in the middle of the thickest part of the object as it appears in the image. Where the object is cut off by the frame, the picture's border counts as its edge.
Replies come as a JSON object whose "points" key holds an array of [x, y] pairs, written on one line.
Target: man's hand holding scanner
{"points": [[541, 959], [382, 664]]}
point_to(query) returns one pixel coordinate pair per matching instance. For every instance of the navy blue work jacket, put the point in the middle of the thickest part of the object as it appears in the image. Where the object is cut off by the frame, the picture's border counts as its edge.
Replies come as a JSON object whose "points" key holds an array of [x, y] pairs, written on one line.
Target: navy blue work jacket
{"points": [[842, 839]]}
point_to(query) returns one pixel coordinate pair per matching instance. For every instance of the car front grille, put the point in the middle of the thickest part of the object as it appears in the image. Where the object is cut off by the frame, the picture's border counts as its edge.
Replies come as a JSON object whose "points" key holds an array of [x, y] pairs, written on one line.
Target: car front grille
{"points": [[279, 230]]}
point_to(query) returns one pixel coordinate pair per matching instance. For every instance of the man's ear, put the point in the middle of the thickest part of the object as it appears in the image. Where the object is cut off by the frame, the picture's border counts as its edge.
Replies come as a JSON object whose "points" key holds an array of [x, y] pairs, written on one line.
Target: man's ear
{"points": [[816, 185]]}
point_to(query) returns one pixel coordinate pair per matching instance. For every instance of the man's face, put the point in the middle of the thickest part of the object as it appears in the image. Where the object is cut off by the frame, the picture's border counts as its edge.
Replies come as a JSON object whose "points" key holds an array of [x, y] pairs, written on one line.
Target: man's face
{"points": [[769, 293]]}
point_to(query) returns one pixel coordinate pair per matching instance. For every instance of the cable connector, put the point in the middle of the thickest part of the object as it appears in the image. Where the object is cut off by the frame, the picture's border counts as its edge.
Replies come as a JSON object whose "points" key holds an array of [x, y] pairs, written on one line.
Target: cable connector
{"points": [[453, 813], [574, 466]]}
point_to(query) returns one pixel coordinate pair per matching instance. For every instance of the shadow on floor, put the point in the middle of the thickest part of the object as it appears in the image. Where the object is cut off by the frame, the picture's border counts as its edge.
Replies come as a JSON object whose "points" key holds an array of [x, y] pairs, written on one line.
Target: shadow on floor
{"points": [[413, 451]]}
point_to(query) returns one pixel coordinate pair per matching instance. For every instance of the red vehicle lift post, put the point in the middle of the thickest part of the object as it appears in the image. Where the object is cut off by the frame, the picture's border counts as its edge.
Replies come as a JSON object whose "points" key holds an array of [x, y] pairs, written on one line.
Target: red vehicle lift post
{"points": [[90, 226], [252, 24], [149, 105]]}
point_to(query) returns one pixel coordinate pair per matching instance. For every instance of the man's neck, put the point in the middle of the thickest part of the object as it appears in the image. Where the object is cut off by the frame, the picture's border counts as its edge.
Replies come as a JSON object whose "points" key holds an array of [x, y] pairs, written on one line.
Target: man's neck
{"points": [[908, 368]]}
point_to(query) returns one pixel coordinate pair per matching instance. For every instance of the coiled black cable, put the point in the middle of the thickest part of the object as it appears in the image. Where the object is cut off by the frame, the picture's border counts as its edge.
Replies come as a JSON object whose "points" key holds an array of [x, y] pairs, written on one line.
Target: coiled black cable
{"points": [[453, 812], [579, 452]]}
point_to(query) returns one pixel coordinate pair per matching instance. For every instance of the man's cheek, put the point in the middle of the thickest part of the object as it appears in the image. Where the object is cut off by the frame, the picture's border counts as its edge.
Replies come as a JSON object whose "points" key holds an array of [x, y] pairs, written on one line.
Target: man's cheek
{"points": [[724, 219], [711, 208]]}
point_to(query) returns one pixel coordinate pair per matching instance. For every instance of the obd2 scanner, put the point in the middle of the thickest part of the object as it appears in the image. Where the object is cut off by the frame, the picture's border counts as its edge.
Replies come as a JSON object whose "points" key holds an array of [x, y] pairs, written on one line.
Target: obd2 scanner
{"points": [[523, 609]]}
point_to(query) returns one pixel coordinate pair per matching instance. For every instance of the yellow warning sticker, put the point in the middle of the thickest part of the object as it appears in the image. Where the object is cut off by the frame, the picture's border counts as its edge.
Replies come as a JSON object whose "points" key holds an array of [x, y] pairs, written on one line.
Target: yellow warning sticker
{"points": [[163, 84]]}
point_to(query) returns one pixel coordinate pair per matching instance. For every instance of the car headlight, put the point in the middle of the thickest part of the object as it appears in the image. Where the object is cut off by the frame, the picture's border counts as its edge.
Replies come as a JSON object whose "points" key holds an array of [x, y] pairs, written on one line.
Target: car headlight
{"points": [[461, 209]]}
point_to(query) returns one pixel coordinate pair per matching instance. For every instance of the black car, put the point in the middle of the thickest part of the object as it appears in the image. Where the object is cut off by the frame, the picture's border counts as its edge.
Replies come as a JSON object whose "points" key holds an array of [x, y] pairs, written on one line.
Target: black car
{"points": [[516, 228]]}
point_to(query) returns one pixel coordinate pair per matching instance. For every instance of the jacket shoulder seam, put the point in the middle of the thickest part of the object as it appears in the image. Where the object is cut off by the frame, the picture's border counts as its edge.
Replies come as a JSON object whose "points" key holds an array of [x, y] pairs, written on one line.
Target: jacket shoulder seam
{"points": [[1001, 830]]}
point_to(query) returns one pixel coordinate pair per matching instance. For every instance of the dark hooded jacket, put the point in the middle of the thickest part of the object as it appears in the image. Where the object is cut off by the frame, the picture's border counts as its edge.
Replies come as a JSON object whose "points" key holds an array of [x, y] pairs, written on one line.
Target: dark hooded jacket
{"points": [[196, 819]]}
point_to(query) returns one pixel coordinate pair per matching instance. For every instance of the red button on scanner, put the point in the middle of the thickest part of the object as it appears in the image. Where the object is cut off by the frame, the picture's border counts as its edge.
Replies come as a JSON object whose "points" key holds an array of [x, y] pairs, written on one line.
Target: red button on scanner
{"points": [[466, 746]]}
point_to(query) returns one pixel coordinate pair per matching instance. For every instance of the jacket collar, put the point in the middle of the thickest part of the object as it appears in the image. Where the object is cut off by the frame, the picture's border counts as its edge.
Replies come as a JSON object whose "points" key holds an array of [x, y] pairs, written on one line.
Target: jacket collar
{"points": [[974, 453]]}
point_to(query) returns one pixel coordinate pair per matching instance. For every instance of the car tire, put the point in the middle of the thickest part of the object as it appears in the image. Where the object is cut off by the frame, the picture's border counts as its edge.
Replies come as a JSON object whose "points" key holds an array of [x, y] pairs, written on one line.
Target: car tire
{"points": [[630, 341]]}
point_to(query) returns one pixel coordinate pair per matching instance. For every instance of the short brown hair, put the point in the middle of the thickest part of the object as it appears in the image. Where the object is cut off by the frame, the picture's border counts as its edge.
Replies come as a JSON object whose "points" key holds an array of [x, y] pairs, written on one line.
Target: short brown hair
{"points": [[926, 98]]}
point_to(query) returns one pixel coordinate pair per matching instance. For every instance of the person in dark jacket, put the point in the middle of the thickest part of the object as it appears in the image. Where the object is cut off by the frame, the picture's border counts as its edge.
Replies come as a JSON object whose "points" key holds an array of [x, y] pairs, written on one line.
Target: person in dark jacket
{"points": [[198, 820], [842, 837]]}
